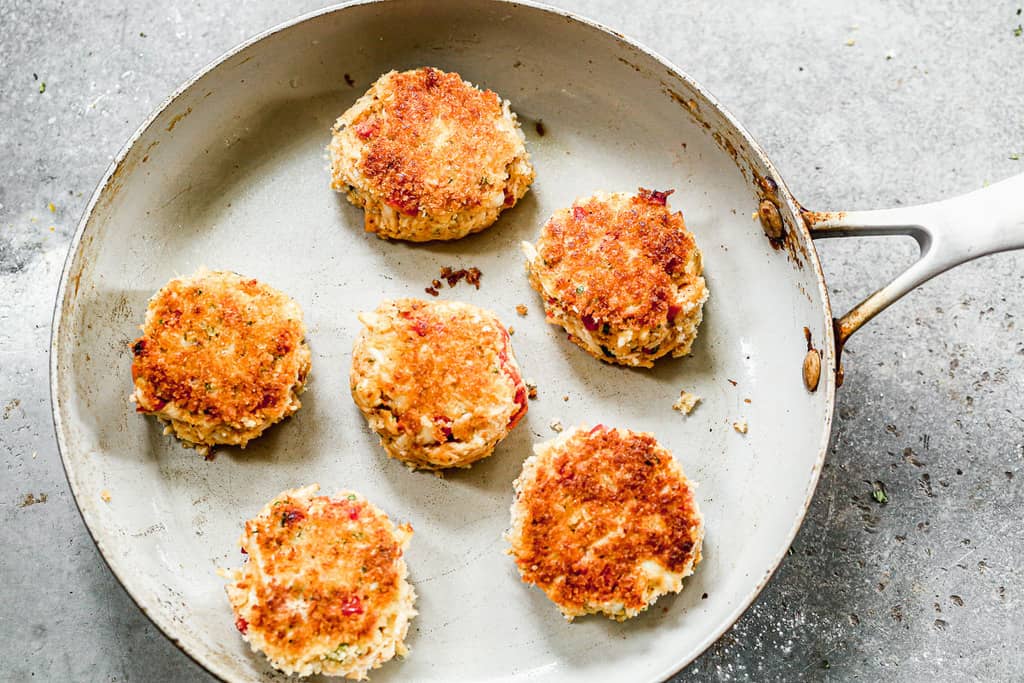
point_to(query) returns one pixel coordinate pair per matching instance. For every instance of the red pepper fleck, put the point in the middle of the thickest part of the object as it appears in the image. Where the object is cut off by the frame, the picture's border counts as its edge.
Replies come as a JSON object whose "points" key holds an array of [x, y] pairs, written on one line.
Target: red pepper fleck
{"points": [[521, 400], [550, 300], [579, 213], [443, 421], [289, 517], [510, 198], [366, 129], [243, 551], [353, 513], [650, 350], [673, 311], [596, 429], [420, 326], [431, 79], [404, 204], [659, 197], [589, 322], [241, 624], [352, 605]]}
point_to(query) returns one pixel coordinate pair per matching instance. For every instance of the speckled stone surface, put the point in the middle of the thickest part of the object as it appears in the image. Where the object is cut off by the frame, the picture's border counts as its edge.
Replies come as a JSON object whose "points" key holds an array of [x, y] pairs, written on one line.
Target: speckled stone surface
{"points": [[879, 105]]}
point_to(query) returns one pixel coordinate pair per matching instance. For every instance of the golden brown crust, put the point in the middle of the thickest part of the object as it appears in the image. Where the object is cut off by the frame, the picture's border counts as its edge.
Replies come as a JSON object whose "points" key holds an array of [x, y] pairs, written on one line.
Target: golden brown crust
{"points": [[217, 347], [619, 264], [402, 155], [322, 576], [622, 275], [437, 380], [429, 156], [593, 509]]}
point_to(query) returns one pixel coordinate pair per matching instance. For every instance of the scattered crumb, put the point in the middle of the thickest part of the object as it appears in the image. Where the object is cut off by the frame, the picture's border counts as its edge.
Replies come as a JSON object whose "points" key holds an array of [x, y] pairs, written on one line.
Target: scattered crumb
{"points": [[753, 216], [740, 426], [30, 499], [105, 495], [539, 126], [511, 330], [556, 425], [521, 309], [686, 402], [51, 207], [531, 388], [732, 381], [349, 81], [851, 42], [565, 398], [433, 289], [746, 400], [34, 454], [704, 597], [471, 275]]}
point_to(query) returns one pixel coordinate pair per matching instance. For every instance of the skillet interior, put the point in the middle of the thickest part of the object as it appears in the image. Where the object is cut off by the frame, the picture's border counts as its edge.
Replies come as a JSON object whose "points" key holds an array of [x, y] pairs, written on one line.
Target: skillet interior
{"points": [[232, 175]]}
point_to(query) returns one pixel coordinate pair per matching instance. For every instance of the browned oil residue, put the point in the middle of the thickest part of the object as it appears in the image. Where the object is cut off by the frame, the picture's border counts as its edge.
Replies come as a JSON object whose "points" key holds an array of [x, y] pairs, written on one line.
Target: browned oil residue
{"points": [[813, 218], [541, 130], [631, 65], [349, 81], [688, 105], [179, 117]]}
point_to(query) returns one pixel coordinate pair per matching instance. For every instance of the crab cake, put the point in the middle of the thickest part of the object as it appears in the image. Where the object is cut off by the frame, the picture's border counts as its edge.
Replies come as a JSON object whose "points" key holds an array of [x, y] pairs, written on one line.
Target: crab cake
{"points": [[220, 359], [622, 274], [437, 381], [323, 589], [604, 521], [429, 157]]}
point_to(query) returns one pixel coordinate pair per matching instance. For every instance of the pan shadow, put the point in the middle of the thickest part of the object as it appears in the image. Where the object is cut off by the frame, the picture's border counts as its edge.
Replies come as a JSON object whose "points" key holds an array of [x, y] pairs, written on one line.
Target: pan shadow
{"points": [[417, 263]]}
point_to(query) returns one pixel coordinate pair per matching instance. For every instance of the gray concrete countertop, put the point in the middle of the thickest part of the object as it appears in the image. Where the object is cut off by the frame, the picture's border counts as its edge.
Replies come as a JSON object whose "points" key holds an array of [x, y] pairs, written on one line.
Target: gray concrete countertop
{"points": [[860, 105]]}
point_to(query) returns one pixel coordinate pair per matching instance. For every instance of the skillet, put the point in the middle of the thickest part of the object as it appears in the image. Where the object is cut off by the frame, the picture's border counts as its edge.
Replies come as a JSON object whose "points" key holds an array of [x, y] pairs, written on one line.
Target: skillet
{"points": [[230, 173]]}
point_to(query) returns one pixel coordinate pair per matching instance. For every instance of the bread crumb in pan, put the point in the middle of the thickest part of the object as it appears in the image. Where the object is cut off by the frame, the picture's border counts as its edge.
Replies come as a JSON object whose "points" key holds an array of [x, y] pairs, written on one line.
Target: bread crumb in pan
{"points": [[521, 309], [740, 426], [686, 402]]}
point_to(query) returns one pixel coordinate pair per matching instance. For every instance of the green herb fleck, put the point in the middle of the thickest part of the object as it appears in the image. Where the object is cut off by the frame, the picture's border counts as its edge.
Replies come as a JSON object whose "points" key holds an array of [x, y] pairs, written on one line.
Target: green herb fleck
{"points": [[351, 496], [606, 329], [580, 289], [208, 386], [42, 87], [825, 664], [878, 493], [1016, 32], [1015, 157]]}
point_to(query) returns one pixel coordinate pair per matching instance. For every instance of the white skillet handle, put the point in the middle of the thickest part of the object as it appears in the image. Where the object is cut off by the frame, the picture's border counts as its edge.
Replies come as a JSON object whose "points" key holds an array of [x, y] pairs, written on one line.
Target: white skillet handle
{"points": [[949, 232]]}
